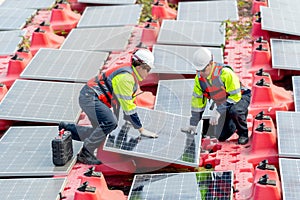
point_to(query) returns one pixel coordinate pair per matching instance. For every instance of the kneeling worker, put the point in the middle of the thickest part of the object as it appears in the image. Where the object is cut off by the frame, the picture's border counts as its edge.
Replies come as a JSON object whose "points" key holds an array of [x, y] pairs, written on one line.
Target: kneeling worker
{"points": [[113, 88], [219, 83]]}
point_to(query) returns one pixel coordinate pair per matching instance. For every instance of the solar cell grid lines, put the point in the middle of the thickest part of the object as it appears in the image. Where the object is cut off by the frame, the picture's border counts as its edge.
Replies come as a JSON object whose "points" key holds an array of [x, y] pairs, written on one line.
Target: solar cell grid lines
{"points": [[41, 101], [287, 5], [27, 152], [9, 41], [290, 175], [190, 186], [191, 33], [296, 90], [285, 54], [64, 65], [14, 18], [114, 2], [288, 128], [217, 11], [175, 96], [175, 59], [278, 20], [171, 146], [103, 16], [31, 188], [98, 39], [36, 4]]}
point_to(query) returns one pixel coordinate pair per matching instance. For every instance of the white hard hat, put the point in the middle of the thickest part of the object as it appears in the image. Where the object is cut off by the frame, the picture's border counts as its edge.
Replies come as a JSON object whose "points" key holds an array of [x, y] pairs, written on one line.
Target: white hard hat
{"points": [[202, 58], [144, 56]]}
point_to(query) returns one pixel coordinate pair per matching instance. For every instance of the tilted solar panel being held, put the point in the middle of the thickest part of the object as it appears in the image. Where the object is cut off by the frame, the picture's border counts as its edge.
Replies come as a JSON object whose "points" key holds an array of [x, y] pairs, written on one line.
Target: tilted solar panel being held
{"points": [[290, 176], [64, 65], [175, 96], [187, 186], [288, 128], [279, 20], [9, 41], [36, 4], [216, 11], [101, 16], [14, 18], [108, 1], [285, 54], [27, 152], [98, 39], [191, 33], [296, 90], [31, 188], [41, 101], [171, 146], [175, 59]]}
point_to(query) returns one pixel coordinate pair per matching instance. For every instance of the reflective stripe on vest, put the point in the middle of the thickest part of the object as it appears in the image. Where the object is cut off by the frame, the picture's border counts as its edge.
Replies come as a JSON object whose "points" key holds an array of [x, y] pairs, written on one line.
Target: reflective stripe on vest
{"points": [[216, 89]]}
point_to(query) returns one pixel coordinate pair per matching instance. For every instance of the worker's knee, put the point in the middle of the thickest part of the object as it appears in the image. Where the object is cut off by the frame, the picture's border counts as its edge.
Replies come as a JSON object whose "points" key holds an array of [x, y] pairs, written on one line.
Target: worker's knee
{"points": [[108, 127]]}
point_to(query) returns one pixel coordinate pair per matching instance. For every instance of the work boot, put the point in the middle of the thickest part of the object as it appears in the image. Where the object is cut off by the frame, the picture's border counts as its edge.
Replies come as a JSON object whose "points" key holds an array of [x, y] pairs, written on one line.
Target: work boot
{"points": [[69, 127], [243, 140], [87, 157]]}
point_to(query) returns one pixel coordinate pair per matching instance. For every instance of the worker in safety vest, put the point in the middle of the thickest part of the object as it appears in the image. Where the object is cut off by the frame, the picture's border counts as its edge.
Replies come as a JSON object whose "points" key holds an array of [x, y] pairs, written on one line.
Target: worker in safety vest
{"points": [[113, 88], [217, 82]]}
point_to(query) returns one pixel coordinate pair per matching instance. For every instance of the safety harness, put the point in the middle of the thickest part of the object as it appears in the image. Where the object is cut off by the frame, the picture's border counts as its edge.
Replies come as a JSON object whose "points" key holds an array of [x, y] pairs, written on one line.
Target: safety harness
{"points": [[104, 82], [216, 89]]}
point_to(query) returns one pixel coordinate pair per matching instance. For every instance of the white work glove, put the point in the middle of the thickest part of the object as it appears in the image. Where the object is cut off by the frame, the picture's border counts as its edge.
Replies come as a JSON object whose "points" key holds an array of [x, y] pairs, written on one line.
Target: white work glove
{"points": [[214, 118], [146, 133], [190, 130]]}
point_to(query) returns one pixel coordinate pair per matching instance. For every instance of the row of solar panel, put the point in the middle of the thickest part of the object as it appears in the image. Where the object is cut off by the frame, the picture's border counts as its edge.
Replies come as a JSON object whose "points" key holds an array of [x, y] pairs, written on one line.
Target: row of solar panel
{"points": [[280, 17], [44, 101], [164, 87]]}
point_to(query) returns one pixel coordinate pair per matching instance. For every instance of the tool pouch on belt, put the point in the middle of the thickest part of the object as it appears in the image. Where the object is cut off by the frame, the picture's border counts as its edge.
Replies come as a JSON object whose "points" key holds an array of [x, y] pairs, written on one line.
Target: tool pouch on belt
{"points": [[62, 148]]}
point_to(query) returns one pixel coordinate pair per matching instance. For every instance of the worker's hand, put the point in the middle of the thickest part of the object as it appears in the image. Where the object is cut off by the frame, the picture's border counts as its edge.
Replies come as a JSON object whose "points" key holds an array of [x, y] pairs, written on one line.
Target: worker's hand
{"points": [[147, 133], [190, 130], [214, 118]]}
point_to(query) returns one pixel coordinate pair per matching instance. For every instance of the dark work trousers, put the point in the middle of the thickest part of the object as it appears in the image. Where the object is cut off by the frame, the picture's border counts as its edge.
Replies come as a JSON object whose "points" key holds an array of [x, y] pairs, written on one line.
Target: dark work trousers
{"points": [[234, 119], [102, 119]]}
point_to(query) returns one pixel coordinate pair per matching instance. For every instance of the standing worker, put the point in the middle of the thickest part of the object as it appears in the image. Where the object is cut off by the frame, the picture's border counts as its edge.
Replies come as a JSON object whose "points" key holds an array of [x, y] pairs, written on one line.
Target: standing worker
{"points": [[115, 88], [230, 99]]}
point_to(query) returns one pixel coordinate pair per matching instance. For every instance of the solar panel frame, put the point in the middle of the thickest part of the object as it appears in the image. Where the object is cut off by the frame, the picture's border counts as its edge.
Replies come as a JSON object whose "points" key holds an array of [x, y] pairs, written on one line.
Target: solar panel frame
{"points": [[64, 65], [9, 41], [191, 33], [278, 20], [216, 11], [296, 91], [177, 94], [32, 188], [289, 175], [108, 1], [98, 39], [287, 134], [186, 185], [168, 147], [14, 18], [175, 59], [27, 100], [33, 4], [27, 152], [285, 54], [107, 16]]}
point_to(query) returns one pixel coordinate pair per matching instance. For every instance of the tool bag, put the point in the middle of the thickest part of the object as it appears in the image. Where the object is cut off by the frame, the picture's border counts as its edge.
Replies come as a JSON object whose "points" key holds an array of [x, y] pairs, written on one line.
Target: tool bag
{"points": [[62, 148]]}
